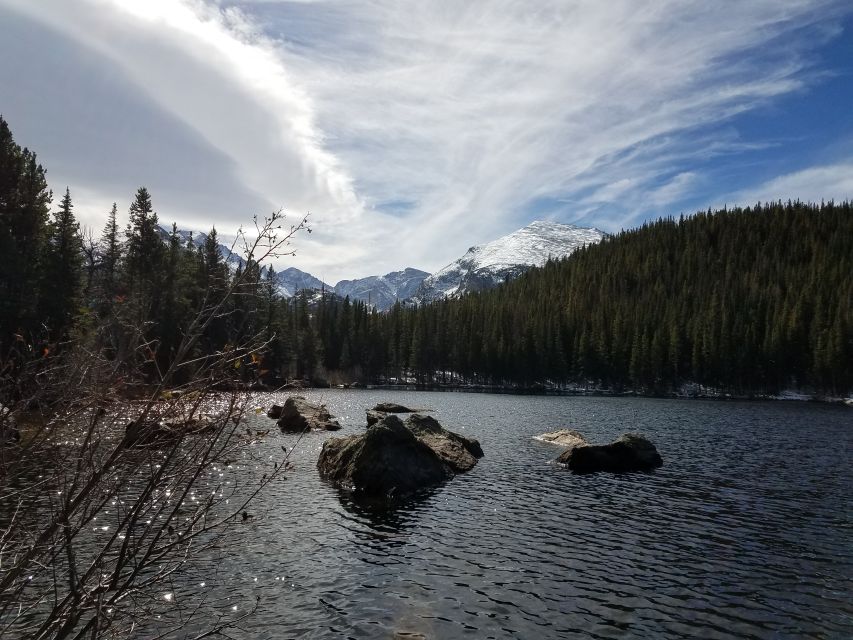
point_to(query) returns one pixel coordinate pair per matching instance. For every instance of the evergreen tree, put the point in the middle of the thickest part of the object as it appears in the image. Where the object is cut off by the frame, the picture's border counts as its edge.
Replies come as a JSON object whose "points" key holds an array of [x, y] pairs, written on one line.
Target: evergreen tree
{"points": [[24, 209], [60, 288]]}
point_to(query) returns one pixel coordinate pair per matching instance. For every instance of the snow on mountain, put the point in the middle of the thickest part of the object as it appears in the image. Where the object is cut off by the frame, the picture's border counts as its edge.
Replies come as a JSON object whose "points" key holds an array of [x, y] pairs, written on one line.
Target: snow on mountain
{"points": [[292, 280], [486, 266], [382, 291], [199, 238]]}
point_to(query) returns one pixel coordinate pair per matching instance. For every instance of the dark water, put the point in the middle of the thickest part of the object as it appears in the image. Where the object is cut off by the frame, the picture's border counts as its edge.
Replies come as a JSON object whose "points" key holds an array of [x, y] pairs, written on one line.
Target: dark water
{"points": [[744, 533]]}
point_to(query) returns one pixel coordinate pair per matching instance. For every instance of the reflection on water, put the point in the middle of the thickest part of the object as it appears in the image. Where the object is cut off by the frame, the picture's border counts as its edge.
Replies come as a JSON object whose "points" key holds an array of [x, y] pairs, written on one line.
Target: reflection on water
{"points": [[744, 532]]}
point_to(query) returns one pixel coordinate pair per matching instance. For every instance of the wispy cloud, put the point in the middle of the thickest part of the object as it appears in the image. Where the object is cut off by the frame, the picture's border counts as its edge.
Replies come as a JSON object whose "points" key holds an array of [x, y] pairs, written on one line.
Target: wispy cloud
{"points": [[467, 112], [828, 182]]}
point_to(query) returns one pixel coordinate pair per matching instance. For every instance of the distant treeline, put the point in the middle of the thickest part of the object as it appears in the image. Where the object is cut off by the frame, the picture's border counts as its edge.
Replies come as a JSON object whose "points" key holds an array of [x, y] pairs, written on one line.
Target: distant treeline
{"points": [[747, 300]]}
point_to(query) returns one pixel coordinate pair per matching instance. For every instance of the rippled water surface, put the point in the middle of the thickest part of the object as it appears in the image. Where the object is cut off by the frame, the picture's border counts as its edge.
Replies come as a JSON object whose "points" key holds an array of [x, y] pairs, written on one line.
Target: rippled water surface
{"points": [[745, 532]]}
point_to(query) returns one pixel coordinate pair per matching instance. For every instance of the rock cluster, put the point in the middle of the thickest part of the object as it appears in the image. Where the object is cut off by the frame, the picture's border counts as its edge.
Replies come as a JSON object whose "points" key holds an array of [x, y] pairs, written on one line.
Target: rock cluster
{"points": [[630, 452], [392, 457], [382, 409], [299, 415]]}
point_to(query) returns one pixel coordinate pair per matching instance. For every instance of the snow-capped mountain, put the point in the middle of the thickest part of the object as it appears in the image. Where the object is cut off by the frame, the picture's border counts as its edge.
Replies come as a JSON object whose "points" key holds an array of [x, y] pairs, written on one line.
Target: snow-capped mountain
{"points": [[292, 280], [382, 291], [482, 267], [486, 266], [199, 238]]}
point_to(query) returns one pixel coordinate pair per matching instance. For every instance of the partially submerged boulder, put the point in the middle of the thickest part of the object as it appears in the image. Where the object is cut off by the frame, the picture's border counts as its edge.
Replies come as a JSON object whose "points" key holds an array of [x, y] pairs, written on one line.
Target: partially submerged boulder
{"points": [[458, 452], [631, 452], [374, 416], [563, 437], [392, 457], [298, 415], [153, 433], [393, 407]]}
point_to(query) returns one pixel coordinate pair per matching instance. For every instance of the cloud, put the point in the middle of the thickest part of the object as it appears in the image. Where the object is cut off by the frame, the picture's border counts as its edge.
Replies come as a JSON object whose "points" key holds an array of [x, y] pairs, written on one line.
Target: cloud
{"points": [[467, 113], [828, 182]]}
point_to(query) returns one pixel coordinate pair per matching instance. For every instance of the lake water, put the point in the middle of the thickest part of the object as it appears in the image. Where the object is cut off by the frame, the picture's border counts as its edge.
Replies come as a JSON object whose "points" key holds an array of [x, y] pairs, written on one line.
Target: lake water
{"points": [[745, 532]]}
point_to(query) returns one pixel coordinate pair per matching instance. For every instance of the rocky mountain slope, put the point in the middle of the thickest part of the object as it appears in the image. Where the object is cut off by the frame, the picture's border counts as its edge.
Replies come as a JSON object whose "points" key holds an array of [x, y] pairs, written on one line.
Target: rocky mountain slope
{"points": [[486, 266]]}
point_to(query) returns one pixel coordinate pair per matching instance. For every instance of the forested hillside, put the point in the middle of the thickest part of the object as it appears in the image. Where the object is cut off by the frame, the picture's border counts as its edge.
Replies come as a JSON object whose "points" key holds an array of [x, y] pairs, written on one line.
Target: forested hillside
{"points": [[755, 299], [745, 300]]}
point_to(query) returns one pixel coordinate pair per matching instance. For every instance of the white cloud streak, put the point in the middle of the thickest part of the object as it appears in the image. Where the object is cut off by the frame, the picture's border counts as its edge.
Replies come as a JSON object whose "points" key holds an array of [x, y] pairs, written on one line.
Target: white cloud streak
{"points": [[415, 129], [827, 182]]}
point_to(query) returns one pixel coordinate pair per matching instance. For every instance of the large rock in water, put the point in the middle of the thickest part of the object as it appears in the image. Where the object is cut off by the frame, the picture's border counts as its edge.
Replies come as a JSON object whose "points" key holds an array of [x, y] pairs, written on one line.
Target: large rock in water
{"points": [[631, 452], [298, 414], [374, 416], [457, 452], [564, 437], [394, 457]]}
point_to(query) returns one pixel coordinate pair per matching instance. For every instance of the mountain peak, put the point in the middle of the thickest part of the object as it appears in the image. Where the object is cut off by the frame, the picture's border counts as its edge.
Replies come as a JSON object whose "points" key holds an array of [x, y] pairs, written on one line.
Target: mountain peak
{"points": [[487, 265]]}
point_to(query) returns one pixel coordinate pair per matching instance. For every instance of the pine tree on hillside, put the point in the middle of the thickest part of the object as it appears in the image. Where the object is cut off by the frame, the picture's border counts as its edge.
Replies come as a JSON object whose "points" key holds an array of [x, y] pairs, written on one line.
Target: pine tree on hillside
{"points": [[110, 258], [24, 209], [144, 248], [60, 287]]}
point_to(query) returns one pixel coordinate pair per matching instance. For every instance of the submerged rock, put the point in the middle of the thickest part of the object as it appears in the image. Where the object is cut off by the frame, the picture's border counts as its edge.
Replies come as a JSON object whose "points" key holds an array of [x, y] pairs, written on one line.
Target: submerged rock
{"points": [[152, 433], [631, 452], [393, 407], [298, 414], [564, 438], [392, 457]]}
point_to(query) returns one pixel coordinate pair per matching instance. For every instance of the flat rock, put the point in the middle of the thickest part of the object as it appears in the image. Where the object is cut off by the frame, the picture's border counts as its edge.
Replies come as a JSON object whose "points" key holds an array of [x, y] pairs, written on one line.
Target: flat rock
{"points": [[631, 452], [393, 407], [564, 438], [154, 433], [298, 415]]}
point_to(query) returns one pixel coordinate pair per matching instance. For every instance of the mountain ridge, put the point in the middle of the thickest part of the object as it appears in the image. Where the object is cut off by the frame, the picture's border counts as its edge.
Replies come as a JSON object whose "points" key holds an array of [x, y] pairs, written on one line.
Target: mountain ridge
{"points": [[482, 267]]}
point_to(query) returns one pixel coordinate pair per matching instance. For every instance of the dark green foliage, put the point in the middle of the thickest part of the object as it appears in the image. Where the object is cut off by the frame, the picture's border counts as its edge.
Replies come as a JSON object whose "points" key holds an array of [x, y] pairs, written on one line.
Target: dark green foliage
{"points": [[61, 272], [24, 207], [754, 299], [745, 300]]}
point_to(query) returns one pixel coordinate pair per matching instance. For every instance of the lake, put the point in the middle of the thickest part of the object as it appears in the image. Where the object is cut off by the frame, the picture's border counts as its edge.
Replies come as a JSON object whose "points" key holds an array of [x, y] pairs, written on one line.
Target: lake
{"points": [[745, 532]]}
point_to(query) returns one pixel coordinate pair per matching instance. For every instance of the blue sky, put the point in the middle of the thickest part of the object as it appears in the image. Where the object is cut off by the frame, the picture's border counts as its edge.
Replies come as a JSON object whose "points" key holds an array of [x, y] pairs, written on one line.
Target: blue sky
{"points": [[413, 130]]}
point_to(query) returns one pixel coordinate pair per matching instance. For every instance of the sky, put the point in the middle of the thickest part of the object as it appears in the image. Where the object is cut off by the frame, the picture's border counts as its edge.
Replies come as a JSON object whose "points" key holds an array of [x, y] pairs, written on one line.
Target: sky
{"points": [[412, 130]]}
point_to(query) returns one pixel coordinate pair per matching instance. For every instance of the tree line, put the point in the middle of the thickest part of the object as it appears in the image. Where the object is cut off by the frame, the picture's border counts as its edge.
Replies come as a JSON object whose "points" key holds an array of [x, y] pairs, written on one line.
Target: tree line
{"points": [[744, 300], [752, 299]]}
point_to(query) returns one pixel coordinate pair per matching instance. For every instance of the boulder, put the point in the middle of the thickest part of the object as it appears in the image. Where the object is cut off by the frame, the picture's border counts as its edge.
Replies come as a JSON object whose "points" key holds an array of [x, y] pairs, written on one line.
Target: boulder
{"points": [[457, 452], [374, 416], [631, 452], [393, 407], [275, 411], [563, 437], [386, 457], [298, 415], [393, 457]]}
